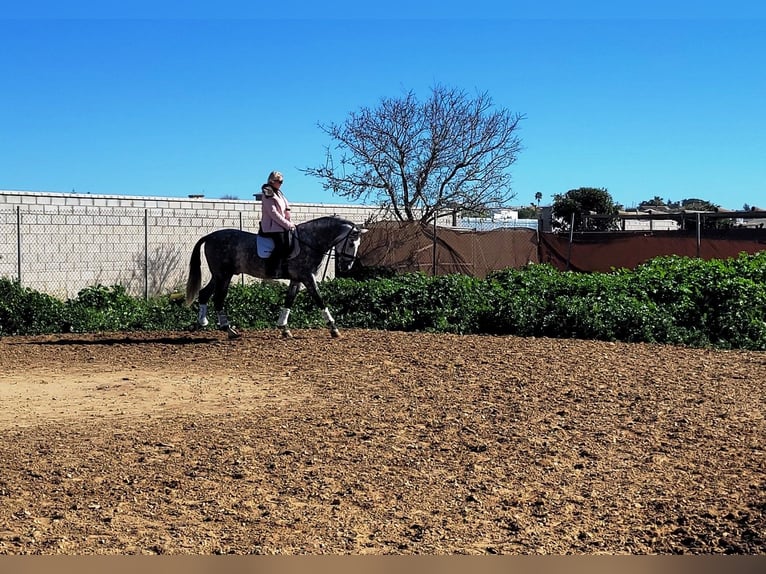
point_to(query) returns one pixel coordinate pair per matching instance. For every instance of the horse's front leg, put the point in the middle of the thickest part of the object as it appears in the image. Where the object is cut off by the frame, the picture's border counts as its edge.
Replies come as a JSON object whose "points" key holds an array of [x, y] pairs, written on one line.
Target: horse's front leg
{"points": [[284, 313], [313, 290], [330, 323]]}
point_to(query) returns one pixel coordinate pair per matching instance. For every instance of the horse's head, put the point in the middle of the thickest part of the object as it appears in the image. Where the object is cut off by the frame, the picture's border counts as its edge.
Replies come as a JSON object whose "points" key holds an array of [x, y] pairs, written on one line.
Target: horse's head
{"points": [[345, 250]]}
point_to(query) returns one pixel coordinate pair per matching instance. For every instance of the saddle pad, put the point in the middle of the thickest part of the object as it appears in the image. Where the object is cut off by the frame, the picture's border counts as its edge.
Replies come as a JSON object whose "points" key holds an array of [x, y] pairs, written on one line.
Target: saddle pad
{"points": [[265, 246]]}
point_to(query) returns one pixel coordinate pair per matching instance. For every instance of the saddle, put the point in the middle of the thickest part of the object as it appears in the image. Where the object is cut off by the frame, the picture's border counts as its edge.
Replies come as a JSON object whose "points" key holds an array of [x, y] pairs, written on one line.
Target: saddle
{"points": [[265, 245]]}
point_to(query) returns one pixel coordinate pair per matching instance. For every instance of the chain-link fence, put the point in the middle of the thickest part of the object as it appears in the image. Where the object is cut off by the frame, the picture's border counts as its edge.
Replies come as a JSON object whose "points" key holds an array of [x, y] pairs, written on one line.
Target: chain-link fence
{"points": [[9, 264], [144, 250], [488, 224], [60, 249]]}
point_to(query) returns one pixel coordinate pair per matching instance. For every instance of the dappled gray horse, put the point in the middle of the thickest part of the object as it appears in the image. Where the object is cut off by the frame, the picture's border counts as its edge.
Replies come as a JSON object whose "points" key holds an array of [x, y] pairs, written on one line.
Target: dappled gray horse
{"points": [[230, 252]]}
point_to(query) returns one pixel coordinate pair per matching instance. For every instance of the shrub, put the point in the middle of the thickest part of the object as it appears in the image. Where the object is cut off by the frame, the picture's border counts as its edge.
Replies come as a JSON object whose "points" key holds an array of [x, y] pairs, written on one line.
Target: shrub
{"points": [[103, 308], [253, 306], [674, 300], [27, 312]]}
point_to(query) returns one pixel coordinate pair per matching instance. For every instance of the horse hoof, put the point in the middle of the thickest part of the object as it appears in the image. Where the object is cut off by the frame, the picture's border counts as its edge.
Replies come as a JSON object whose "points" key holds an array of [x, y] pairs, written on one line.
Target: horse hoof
{"points": [[286, 334], [233, 333], [334, 333]]}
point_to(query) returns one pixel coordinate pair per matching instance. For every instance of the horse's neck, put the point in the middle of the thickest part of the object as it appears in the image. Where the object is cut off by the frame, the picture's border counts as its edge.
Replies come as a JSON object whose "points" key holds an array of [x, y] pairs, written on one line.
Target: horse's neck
{"points": [[328, 232]]}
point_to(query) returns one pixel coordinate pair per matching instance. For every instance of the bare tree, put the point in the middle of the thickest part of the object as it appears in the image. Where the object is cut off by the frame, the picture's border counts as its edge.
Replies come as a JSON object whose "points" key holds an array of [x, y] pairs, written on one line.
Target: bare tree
{"points": [[165, 272], [447, 154]]}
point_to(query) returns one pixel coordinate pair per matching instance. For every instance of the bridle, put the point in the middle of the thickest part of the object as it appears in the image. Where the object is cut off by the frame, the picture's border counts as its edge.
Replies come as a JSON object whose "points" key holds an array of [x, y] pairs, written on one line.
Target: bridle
{"points": [[343, 255], [354, 231]]}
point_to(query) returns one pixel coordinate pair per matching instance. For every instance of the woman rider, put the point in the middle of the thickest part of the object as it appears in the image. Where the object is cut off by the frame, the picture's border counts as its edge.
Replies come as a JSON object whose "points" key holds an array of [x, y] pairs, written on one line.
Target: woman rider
{"points": [[275, 223]]}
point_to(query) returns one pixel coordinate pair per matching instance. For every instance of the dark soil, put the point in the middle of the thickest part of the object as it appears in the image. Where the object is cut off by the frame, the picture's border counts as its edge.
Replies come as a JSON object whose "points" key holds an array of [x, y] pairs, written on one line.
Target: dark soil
{"points": [[378, 443]]}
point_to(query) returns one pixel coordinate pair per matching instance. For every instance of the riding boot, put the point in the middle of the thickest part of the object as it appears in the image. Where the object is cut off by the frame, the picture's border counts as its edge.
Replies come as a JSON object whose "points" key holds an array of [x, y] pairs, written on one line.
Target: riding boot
{"points": [[272, 266]]}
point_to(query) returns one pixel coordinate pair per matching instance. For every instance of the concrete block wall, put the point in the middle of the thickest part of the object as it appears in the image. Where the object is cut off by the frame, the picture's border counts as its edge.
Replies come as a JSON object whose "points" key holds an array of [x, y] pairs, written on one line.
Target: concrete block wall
{"points": [[73, 241]]}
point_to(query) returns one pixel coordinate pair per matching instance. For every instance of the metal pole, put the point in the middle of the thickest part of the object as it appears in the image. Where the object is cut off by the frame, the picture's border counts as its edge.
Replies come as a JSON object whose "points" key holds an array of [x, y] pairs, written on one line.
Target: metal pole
{"points": [[433, 272], [241, 275], [571, 238], [327, 263], [146, 254], [18, 243], [699, 237]]}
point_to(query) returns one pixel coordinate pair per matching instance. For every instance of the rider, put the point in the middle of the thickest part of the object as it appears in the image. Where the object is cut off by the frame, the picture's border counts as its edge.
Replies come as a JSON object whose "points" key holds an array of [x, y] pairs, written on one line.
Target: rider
{"points": [[275, 223]]}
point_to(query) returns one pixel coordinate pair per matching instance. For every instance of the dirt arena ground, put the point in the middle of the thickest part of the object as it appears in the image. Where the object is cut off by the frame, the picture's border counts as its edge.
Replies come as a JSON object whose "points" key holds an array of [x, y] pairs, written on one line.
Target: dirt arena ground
{"points": [[378, 443]]}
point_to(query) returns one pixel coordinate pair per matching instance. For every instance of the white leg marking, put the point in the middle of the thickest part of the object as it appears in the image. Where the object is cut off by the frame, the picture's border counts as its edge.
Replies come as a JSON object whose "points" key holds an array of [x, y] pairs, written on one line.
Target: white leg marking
{"points": [[327, 316], [283, 315]]}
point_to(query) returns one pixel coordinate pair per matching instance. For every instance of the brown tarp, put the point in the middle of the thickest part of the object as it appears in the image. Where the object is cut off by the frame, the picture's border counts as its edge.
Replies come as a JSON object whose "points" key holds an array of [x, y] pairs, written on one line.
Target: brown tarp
{"points": [[605, 251], [407, 247]]}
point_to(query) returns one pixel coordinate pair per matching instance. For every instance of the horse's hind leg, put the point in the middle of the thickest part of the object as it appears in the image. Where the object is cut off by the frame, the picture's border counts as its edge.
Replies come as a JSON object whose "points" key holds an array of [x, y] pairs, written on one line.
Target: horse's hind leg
{"points": [[292, 293], [204, 296], [219, 300]]}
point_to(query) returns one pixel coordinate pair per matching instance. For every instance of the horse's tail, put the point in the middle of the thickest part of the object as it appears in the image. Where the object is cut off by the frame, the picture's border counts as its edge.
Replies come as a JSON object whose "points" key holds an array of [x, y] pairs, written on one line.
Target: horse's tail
{"points": [[195, 273]]}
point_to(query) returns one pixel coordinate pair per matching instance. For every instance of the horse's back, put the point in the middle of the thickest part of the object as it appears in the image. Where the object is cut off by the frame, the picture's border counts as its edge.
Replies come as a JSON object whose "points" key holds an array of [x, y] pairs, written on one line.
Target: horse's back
{"points": [[231, 235], [229, 239], [229, 246]]}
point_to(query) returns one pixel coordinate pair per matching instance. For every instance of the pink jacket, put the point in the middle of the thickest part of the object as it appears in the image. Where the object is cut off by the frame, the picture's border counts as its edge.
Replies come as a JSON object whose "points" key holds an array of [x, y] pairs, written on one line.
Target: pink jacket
{"points": [[275, 211]]}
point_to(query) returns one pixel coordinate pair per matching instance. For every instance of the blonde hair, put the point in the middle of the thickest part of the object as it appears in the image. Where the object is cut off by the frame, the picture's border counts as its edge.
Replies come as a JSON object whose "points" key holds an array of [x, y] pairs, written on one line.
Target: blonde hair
{"points": [[276, 176]]}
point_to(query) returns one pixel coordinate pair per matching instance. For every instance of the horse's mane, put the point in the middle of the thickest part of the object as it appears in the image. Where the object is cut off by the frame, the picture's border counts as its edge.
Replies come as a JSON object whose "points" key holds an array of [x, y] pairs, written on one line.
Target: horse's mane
{"points": [[325, 220]]}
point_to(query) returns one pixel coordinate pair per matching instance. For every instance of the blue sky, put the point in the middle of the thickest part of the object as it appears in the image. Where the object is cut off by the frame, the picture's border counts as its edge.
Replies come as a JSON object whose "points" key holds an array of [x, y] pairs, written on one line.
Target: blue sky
{"points": [[169, 99]]}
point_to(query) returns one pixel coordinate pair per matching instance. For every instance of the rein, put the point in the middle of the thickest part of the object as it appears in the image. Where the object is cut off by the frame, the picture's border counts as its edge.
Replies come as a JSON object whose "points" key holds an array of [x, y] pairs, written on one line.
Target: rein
{"points": [[344, 239]]}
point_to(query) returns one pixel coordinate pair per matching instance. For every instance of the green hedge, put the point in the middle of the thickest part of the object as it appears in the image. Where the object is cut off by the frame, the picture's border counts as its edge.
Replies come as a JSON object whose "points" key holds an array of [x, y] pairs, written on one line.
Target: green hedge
{"points": [[675, 300]]}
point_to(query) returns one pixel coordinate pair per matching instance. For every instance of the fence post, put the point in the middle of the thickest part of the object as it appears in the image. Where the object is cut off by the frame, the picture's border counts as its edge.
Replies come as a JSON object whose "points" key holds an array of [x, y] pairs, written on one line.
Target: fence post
{"points": [[18, 243], [433, 270], [699, 236], [241, 275], [571, 238], [146, 254]]}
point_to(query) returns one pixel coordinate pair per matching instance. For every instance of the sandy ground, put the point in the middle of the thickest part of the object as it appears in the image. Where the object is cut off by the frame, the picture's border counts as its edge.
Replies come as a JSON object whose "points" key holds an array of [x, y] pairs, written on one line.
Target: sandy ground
{"points": [[378, 443]]}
